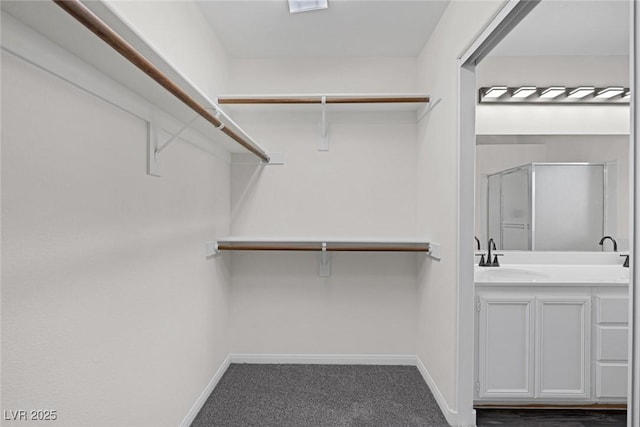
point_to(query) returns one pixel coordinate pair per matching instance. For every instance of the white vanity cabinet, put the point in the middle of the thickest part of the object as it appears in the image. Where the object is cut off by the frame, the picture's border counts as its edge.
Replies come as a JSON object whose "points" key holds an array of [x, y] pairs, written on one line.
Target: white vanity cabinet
{"points": [[550, 344], [532, 344]]}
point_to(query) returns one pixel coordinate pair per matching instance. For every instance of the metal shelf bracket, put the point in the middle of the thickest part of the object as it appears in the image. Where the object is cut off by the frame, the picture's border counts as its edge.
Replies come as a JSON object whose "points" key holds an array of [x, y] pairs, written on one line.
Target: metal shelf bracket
{"points": [[323, 140], [325, 262], [422, 112], [155, 147], [211, 249], [165, 145]]}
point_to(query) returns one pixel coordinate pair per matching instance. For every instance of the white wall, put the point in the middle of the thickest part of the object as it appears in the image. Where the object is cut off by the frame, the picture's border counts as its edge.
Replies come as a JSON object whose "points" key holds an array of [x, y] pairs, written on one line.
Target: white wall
{"points": [[281, 306], [181, 34], [363, 186], [323, 75], [553, 70], [111, 313], [437, 162]]}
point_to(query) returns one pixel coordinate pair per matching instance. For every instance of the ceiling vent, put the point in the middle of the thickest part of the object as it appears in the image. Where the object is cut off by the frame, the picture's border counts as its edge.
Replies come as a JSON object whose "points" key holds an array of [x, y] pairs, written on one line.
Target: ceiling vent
{"points": [[296, 6]]}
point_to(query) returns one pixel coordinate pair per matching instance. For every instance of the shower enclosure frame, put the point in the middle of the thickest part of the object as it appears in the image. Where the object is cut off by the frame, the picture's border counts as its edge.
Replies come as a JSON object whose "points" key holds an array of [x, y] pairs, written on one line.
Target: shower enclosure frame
{"points": [[495, 229]]}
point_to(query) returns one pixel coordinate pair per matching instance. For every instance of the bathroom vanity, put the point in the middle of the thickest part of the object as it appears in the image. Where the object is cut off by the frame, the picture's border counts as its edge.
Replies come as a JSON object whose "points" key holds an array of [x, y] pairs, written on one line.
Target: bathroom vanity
{"points": [[554, 332]]}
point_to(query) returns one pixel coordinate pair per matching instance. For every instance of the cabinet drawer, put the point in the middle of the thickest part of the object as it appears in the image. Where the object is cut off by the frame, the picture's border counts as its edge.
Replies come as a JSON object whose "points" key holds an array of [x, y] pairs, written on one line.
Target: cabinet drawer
{"points": [[612, 343], [612, 310], [611, 380]]}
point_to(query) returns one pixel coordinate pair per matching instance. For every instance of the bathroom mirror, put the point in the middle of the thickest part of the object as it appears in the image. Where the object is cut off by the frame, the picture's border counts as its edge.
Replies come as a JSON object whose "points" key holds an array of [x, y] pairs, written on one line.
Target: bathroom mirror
{"points": [[520, 203], [551, 206]]}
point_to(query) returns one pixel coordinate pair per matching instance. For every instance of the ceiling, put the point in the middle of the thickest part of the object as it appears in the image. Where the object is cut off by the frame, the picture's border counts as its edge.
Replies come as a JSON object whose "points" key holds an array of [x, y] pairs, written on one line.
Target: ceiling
{"points": [[396, 28], [265, 28], [570, 27]]}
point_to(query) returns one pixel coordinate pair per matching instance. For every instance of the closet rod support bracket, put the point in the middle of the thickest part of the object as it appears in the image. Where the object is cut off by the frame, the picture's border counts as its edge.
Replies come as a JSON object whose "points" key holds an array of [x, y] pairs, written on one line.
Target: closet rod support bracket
{"points": [[275, 159], [422, 112], [325, 262], [173, 137], [152, 141], [323, 139], [435, 251], [211, 249]]}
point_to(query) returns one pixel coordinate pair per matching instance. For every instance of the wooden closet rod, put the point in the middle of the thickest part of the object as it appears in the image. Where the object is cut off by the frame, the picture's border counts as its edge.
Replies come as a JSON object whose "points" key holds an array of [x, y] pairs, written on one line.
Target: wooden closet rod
{"points": [[331, 99], [84, 15], [341, 248]]}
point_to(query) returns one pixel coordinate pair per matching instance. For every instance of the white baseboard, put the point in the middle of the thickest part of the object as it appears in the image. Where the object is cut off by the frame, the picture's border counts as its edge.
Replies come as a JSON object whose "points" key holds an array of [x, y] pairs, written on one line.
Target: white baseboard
{"points": [[326, 359], [449, 414], [193, 412]]}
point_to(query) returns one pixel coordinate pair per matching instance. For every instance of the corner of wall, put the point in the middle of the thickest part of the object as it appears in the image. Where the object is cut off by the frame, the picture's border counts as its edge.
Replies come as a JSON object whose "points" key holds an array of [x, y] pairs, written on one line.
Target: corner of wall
{"points": [[438, 196], [450, 414], [202, 399]]}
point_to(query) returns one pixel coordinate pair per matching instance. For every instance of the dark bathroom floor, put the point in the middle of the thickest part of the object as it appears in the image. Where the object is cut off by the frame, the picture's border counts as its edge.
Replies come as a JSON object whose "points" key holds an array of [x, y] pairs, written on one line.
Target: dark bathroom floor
{"points": [[550, 418]]}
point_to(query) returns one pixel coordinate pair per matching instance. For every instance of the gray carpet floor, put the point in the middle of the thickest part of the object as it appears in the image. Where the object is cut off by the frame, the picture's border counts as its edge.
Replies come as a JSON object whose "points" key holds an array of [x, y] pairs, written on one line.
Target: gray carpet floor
{"points": [[320, 395]]}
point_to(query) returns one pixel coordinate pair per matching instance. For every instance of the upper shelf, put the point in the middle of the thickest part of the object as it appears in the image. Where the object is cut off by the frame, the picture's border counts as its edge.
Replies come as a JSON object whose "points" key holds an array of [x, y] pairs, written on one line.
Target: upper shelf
{"points": [[323, 244], [331, 102], [122, 56]]}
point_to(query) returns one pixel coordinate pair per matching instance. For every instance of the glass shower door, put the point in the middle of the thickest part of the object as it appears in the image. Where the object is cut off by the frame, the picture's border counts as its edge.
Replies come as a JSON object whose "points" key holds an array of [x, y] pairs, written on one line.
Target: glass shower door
{"points": [[569, 207], [516, 209]]}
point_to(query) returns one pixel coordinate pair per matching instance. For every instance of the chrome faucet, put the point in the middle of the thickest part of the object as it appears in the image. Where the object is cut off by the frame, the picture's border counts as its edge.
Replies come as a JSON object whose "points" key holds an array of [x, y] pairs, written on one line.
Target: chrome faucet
{"points": [[615, 244]]}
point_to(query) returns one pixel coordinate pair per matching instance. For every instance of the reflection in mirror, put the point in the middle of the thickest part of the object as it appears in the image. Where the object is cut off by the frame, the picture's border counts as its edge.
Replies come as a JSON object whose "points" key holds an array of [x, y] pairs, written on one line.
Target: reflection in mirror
{"points": [[550, 206], [552, 192], [531, 195]]}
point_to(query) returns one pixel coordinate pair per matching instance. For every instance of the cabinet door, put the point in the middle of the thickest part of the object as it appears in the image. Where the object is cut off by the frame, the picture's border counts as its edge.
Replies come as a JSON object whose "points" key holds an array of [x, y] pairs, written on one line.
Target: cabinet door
{"points": [[516, 210], [505, 348], [562, 342]]}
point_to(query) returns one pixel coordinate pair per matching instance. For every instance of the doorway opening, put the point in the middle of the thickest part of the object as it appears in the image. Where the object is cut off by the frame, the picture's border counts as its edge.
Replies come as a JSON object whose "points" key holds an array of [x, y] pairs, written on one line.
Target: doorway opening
{"points": [[620, 213]]}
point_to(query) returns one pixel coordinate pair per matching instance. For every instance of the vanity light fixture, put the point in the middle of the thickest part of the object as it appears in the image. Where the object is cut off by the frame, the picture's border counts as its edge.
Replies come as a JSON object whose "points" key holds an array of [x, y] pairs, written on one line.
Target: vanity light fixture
{"points": [[610, 92], [495, 92], [524, 91], [296, 6], [553, 92], [581, 92], [611, 95]]}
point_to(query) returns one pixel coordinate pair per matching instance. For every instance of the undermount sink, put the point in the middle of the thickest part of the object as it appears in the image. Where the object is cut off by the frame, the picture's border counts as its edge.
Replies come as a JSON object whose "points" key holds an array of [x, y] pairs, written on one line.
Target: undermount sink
{"points": [[502, 274], [553, 274]]}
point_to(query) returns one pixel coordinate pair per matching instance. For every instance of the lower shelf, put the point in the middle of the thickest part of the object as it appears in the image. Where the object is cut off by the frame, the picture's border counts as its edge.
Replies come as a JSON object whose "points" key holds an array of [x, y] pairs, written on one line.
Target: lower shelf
{"points": [[323, 246]]}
